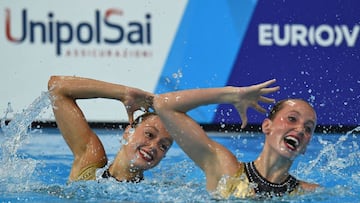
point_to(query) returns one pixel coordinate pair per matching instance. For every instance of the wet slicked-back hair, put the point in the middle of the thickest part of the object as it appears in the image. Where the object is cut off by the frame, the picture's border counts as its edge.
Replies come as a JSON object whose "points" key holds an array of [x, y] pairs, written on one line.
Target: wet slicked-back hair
{"points": [[280, 104]]}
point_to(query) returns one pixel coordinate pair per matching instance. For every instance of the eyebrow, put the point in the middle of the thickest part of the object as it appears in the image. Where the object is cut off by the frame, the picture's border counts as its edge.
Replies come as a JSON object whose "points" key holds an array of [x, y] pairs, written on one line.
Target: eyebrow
{"points": [[157, 130], [307, 122], [167, 140], [153, 127], [310, 122]]}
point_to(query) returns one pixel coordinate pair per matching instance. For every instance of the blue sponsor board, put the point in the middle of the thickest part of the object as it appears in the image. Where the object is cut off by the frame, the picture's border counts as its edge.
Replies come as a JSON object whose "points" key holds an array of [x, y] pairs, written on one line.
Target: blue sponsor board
{"points": [[312, 48]]}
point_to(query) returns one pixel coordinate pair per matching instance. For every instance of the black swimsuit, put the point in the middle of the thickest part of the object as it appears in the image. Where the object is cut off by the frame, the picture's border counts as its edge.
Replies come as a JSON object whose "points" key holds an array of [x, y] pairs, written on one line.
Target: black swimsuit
{"points": [[266, 188], [107, 174]]}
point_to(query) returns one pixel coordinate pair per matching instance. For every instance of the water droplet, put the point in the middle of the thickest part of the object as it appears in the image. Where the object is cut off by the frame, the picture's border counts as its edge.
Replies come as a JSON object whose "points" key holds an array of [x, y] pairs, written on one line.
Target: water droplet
{"points": [[131, 131]]}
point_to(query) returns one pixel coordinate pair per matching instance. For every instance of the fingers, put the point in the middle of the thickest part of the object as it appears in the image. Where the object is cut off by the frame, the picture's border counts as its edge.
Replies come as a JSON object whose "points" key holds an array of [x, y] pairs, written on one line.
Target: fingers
{"points": [[266, 83], [269, 90], [259, 90], [130, 116], [265, 89], [149, 101], [266, 99], [259, 108], [244, 120]]}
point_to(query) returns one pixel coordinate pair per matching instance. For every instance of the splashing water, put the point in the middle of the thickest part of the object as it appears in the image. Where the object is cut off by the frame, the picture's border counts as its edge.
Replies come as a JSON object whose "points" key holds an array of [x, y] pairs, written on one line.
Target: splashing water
{"points": [[15, 169], [337, 158], [177, 179]]}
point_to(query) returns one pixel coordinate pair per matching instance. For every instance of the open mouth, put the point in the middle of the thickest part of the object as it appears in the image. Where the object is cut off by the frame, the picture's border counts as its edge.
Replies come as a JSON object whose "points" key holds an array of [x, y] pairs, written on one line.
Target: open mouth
{"points": [[291, 142], [145, 155]]}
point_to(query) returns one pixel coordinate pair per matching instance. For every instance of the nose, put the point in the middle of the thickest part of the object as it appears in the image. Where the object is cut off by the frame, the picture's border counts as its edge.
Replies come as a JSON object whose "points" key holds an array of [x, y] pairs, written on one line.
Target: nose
{"points": [[153, 146], [300, 130]]}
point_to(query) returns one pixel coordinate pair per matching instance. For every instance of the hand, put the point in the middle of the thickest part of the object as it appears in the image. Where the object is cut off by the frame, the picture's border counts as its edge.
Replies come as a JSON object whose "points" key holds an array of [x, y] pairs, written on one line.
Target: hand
{"points": [[251, 95], [136, 99]]}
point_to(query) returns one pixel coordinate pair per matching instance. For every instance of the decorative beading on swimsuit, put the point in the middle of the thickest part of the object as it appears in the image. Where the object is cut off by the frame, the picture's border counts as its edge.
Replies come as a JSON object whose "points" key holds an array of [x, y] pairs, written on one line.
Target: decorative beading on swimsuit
{"points": [[248, 183], [266, 188], [107, 174]]}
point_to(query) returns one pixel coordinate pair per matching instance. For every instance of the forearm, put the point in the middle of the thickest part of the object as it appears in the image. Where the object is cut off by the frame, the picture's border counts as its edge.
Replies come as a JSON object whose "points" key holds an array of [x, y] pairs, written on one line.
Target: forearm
{"points": [[190, 136], [183, 101], [83, 88]]}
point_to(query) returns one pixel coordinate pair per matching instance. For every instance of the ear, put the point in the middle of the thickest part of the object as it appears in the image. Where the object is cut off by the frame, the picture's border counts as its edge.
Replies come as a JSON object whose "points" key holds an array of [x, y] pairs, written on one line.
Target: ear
{"points": [[266, 124]]}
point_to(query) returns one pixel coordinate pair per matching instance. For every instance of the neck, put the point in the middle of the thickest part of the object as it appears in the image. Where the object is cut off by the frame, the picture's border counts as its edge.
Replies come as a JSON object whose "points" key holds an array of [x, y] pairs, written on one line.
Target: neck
{"points": [[121, 170], [272, 166]]}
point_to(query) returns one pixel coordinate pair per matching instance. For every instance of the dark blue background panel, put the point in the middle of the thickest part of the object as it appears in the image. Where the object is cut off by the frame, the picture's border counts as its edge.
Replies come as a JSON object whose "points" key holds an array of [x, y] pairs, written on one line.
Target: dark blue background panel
{"points": [[311, 48]]}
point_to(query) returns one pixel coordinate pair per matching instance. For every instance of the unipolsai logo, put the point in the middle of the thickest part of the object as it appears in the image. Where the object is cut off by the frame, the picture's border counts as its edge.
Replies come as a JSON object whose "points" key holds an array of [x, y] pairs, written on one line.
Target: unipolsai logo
{"points": [[107, 30]]}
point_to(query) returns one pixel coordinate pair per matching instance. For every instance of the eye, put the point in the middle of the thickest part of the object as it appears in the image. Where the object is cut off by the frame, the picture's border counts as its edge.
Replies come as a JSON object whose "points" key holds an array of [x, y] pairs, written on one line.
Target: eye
{"points": [[308, 129], [164, 147], [149, 134], [292, 119]]}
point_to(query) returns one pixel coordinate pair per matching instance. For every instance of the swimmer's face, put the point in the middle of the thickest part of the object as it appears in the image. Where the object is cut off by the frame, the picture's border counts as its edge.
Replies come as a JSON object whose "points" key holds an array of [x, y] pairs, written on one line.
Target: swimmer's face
{"points": [[291, 129], [147, 143]]}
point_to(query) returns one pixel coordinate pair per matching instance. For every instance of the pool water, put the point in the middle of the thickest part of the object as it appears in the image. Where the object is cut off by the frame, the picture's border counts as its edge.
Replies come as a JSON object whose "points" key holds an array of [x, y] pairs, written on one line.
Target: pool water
{"points": [[39, 171], [35, 164]]}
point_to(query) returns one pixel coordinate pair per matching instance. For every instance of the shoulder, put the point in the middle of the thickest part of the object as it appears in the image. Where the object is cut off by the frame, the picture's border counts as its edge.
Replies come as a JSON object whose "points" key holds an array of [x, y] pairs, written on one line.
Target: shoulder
{"points": [[308, 187], [304, 187]]}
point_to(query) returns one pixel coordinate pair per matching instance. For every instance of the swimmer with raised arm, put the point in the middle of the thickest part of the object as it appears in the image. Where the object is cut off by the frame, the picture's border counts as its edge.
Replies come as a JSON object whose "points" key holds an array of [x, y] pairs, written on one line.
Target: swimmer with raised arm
{"points": [[288, 130], [147, 140]]}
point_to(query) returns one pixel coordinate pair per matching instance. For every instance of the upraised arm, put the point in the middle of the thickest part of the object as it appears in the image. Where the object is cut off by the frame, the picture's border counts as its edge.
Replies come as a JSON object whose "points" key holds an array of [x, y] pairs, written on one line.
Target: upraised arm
{"points": [[83, 142], [214, 159], [85, 88], [241, 97]]}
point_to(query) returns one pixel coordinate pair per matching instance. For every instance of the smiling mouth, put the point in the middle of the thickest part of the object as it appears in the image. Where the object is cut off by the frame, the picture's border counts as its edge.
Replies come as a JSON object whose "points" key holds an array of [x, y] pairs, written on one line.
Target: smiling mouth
{"points": [[145, 155], [291, 142]]}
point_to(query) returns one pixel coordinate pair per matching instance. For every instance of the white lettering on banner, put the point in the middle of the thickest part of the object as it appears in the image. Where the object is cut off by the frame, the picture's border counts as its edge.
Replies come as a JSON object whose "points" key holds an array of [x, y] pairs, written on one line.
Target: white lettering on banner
{"points": [[301, 35]]}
